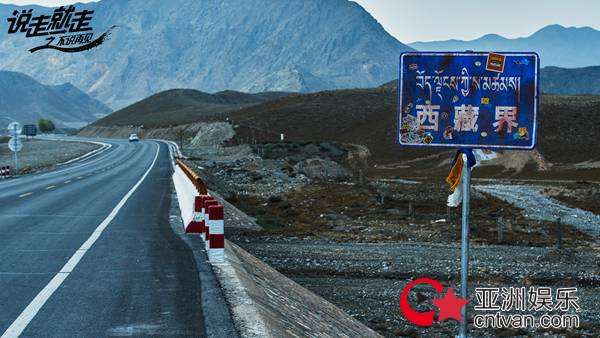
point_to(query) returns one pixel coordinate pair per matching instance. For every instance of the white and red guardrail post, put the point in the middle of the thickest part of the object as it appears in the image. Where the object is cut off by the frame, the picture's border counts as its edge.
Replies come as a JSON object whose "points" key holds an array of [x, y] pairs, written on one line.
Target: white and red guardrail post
{"points": [[207, 204], [215, 234], [5, 172], [203, 213], [196, 226]]}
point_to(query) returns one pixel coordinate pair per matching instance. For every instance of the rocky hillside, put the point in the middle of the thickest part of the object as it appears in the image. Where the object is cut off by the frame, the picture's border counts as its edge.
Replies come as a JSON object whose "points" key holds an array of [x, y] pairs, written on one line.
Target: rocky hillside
{"points": [[246, 45]]}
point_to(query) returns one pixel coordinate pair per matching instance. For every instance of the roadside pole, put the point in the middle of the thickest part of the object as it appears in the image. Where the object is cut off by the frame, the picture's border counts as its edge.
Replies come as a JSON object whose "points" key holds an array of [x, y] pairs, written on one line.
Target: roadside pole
{"points": [[16, 164], [16, 135], [14, 144], [466, 187]]}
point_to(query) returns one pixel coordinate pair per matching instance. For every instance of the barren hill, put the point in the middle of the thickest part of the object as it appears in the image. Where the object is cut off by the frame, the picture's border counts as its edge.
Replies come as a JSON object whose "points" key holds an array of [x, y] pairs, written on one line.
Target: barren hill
{"points": [[181, 106], [368, 117]]}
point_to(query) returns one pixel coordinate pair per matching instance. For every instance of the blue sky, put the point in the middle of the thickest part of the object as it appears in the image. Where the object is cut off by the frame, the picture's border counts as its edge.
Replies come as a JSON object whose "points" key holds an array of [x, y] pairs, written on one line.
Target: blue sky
{"points": [[426, 20], [418, 20]]}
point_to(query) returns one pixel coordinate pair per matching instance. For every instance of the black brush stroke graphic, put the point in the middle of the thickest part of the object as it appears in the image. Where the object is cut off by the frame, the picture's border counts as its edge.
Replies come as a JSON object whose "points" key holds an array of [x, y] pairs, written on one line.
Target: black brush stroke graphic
{"points": [[100, 40]]}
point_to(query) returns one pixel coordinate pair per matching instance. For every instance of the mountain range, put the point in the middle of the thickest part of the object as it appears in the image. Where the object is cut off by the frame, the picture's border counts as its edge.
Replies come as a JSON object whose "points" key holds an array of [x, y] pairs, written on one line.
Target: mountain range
{"points": [[26, 100], [559, 81], [573, 81], [566, 47], [245, 45], [253, 46]]}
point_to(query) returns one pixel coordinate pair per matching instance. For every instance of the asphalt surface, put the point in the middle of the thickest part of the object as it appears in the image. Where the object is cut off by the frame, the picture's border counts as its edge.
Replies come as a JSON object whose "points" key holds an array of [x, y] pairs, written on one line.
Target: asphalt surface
{"points": [[137, 278]]}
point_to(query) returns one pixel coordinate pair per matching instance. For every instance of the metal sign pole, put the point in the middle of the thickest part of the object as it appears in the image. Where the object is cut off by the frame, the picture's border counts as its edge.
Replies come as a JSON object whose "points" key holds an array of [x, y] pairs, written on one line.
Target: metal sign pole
{"points": [[16, 136], [466, 187], [16, 163]]}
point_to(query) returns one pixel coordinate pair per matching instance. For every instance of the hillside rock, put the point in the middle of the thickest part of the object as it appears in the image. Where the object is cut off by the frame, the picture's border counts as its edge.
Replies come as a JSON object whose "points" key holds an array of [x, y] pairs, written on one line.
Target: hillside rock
{"points": [[213, 134], [321, 168]]}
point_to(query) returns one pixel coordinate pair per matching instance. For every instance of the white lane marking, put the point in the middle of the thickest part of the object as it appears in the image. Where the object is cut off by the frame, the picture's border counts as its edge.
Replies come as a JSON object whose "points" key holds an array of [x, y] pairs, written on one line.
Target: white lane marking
{"points": [[96, 158], [26, 194], [50, 187], [85, 164], [105, 146], [19, 325]]}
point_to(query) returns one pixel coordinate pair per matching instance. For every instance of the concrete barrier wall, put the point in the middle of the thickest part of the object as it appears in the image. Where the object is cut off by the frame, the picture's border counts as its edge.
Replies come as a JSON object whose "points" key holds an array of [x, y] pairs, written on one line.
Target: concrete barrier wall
{"points": [[186, 194], [200, 212], [265, 303]]}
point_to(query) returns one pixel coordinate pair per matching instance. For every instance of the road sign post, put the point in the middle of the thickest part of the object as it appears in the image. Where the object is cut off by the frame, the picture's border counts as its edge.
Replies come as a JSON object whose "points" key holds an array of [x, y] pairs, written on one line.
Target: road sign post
{"points": [[16, 163], [464, 257], [15, 144], [468, 100]]}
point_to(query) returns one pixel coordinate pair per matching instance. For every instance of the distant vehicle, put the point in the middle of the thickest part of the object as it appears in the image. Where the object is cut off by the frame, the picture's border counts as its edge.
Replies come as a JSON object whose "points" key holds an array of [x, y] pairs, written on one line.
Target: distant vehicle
{"points": [[133, 138]]}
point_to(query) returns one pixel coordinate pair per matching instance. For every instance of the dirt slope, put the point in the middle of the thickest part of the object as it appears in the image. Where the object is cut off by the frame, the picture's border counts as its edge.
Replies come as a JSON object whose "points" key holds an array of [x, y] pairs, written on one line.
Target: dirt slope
{"points": [[182, 106]]}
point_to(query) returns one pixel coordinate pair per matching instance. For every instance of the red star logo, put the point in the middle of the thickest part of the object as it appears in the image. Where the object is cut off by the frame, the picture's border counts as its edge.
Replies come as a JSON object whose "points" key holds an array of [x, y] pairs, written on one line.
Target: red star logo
{"points": [[450, 306]]}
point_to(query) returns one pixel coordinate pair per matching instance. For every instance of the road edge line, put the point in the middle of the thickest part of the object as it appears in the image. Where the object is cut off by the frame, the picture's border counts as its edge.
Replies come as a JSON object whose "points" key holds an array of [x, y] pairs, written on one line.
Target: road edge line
{"points": [[103, 148]]}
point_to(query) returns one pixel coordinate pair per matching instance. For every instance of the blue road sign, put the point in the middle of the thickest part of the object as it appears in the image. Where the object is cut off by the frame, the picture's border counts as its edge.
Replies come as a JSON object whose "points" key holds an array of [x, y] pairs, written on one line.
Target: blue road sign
{"points": [[30, 130], [468, 99]]}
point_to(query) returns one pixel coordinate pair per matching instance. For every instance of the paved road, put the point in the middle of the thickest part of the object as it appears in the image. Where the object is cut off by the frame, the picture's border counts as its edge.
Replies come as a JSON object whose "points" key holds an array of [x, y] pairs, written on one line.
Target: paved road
{"points": [[87, 251]]}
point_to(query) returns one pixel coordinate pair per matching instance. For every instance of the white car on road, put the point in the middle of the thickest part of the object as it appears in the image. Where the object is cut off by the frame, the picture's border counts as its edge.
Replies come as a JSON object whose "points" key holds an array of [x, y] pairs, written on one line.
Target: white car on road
{"points": [[133, 138]]}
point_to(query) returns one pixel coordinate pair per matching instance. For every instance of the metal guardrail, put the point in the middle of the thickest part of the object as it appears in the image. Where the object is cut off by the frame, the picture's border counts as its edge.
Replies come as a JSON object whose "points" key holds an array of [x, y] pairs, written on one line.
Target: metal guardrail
{"points": [[195, 178]]}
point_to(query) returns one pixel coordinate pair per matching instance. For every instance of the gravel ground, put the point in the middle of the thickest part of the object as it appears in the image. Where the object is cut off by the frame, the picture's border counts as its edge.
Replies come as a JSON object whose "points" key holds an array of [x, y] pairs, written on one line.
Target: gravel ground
{"points": [[43, 154], [366, 280], [538, 206], [581, 194], [359, 244]]}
